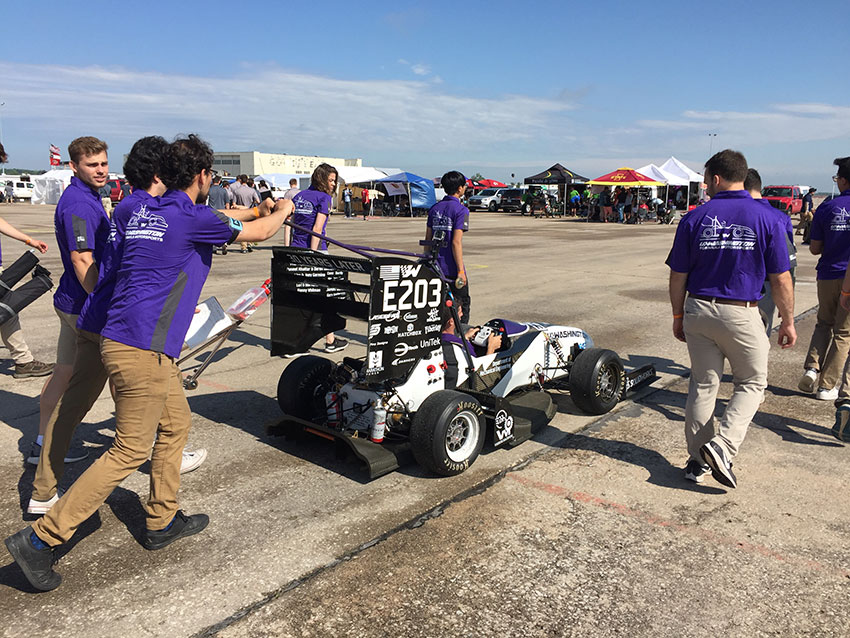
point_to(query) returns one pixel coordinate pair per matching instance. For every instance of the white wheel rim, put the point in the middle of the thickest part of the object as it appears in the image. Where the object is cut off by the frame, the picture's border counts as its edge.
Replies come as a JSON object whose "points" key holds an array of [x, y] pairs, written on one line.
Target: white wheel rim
{"points": [[462, 436]]}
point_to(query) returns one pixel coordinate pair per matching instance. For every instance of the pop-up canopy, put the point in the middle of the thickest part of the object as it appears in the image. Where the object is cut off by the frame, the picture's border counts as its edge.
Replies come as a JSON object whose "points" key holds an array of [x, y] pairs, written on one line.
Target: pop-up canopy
{"points": [[419, 190], [556, 174], [625, 177]]}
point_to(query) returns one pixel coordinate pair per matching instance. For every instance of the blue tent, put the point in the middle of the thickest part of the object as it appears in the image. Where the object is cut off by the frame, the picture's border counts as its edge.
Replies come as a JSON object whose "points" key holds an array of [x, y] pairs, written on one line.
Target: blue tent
{"points": [[421, 190]]}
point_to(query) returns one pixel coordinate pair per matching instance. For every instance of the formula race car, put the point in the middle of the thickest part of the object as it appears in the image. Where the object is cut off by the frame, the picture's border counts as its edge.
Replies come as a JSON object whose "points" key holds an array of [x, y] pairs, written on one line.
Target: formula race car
{"points": [[419, 391]]}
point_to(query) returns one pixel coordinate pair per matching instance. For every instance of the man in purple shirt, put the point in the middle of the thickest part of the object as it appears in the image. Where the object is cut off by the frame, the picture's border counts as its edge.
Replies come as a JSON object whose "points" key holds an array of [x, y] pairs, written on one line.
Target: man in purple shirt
{"points": [[830, 238], [721, 254], [312, 207], [167, 254], [82, 228], [450, 218]]}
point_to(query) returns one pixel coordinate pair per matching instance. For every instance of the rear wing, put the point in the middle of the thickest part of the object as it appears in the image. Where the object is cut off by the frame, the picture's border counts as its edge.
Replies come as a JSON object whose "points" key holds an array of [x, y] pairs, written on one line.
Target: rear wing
{"points": [[313, 293]]}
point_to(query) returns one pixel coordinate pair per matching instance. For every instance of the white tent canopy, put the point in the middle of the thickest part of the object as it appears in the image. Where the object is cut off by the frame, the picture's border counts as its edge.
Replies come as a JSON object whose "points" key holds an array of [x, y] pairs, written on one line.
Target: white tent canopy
{"points": [[281, 180], [359, 174], [660, 175], [675, 167], [48, 187]]}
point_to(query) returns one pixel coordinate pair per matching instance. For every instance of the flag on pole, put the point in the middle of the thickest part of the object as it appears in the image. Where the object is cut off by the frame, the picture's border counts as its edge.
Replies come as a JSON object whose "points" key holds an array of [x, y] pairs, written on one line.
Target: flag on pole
{"points": [[55, 155]]}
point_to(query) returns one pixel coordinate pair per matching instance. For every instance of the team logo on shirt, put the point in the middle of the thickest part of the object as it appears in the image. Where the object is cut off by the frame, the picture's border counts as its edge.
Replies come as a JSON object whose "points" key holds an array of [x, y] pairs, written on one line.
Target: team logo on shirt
{"points": [[839, 219], [145, 225], [717, 235], [442, 222]]}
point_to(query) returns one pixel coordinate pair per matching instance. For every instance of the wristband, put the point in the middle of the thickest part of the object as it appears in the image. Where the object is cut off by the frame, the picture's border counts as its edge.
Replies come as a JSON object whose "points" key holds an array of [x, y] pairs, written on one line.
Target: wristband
{"points": [[28, 242], [256, 212], [845, 293], [678, 316]]}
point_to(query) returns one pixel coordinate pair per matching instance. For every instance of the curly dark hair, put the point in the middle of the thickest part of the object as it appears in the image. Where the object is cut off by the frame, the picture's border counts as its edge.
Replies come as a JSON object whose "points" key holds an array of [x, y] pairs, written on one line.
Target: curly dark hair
{"points": [[319, 180], [184, 160], [145, 161], [3, 157]]}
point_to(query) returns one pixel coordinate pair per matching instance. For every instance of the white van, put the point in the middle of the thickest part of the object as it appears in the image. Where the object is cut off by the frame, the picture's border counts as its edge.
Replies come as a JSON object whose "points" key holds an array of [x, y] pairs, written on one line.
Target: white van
{"points": [[21, 184]]}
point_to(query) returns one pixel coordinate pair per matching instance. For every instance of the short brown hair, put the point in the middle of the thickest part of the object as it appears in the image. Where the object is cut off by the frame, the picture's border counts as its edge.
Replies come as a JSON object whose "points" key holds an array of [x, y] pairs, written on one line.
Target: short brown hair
{"points": [[319, 180], [84, 147], [728, 165]]}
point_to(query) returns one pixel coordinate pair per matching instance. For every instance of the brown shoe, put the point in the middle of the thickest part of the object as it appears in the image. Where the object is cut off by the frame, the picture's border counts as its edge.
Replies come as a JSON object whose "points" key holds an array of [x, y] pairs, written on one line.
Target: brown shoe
{"points": [[32, 369]]}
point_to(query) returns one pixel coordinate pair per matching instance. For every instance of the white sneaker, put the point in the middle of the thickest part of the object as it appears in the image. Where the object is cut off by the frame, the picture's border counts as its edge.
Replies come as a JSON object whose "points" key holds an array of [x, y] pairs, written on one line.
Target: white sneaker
{"points": [[192, 460], [827, 395], [808, 380], [41, 507]]}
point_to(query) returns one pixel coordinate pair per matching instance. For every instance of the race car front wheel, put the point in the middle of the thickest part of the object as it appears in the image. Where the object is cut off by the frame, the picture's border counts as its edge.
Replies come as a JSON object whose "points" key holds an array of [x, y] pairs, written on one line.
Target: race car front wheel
{"points": [[302, 387], [447, 432], [597, 378]]}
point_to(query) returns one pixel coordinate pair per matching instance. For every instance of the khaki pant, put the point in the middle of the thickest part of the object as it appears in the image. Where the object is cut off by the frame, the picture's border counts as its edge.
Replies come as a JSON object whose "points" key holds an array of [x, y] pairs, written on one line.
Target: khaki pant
{"points": [[13, 338], [148, 391], [714, 333], [66, 345], [86, 384], [831, 338]]}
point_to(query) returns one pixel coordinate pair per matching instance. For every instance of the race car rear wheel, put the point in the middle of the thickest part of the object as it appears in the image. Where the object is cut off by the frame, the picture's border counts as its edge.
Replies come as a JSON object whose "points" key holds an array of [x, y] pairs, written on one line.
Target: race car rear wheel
{"points": [[597, 378], [447, 432], [302, 387]]}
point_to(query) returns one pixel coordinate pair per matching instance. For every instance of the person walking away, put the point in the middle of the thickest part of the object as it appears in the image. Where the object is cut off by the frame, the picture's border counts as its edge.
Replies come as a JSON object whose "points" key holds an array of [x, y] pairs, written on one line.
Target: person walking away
{"points": [[293, 189], [159, 281], [830, 343], [367, 203], [804, 228], [721, 254], [606, 204], [767, 308], [312, 207], [82, 230], [451, 218]]}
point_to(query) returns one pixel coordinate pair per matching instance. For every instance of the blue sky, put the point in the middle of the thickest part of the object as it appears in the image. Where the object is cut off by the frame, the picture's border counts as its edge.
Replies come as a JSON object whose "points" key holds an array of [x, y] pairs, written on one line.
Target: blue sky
{"points": [[495, 87]]}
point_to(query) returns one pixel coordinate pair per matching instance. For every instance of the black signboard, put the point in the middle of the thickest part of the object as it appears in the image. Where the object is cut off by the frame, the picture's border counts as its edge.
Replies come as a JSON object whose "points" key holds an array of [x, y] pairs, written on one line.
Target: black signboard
{"points": [[404, 317]]}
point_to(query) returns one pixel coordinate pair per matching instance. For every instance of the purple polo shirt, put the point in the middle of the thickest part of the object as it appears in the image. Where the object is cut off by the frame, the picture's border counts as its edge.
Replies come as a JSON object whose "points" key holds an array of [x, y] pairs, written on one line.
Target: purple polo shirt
{"points": [[727, 246], [448, 215], [81, 224], [446, 337], [831, 225], [168, 246], [308, 205], [93, 314]]}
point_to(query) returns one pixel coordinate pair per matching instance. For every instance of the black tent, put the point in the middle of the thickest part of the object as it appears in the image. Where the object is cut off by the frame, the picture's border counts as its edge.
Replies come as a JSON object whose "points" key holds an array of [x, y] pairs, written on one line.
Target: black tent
{"points": [[557, 174]]}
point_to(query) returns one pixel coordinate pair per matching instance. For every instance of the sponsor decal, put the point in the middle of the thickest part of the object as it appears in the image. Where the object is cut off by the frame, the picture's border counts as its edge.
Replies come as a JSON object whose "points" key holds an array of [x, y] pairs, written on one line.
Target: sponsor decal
{"points": [[374, 330], [504, 426], [391, 330], [411, 333], [564, 334], [387, 316], [433, 315], [376, 360], [399, 361], [410, 326], [410, 316], [402, 349], [328, 262], [434, 327], [429, 343], [497, 365], [643, 376], [378, 344]]}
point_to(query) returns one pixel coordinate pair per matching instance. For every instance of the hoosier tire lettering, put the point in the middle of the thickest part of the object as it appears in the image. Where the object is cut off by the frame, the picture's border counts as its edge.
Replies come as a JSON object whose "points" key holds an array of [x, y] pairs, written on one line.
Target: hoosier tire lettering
{"points": [[447, 433]]}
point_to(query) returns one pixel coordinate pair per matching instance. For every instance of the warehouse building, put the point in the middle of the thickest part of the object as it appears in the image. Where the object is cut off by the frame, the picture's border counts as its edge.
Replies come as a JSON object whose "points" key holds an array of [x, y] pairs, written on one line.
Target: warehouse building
{"points": [[256, 163]]}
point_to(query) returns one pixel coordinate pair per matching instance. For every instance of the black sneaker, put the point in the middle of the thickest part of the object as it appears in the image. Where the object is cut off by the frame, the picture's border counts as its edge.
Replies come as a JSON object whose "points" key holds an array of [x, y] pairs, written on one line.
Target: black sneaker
{"points": [[696, 471], [181, 525], [32, 369], [37, 564], [72, 456], [336, 345], [841, 428], [721, 466]]}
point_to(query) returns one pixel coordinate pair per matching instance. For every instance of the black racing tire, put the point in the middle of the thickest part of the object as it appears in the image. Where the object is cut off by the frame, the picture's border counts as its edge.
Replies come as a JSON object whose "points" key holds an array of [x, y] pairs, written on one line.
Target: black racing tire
{"points": [[447, 433], [525, 209], [492, 207], [302, 387], [597, 378]]}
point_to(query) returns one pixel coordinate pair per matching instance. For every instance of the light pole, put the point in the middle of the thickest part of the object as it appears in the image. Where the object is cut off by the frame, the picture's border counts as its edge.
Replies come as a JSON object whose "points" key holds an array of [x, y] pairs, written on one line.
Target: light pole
{"points": [[711, 137]]}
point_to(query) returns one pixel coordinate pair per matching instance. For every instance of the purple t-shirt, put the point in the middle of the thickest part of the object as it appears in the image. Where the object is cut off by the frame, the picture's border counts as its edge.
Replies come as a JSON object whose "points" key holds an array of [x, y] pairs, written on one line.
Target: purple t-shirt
{"points": [[448, 215], [728, 245], [168, 246], [93, 314], [450, 338], [831, 225], [81, 224], [309, 204]]}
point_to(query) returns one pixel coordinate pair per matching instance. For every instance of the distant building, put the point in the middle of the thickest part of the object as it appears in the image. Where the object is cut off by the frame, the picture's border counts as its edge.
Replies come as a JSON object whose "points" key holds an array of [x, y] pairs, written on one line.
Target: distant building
{"points": [[256, 163]]}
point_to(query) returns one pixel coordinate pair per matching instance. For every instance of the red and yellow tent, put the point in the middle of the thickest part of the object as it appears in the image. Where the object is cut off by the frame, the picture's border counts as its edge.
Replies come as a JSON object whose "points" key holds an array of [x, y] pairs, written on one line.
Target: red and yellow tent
{"points": [[628, 177]]}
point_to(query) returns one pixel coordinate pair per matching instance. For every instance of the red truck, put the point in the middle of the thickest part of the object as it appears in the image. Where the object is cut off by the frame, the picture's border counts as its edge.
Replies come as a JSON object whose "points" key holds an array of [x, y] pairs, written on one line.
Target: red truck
{"points": [[788, 199]]}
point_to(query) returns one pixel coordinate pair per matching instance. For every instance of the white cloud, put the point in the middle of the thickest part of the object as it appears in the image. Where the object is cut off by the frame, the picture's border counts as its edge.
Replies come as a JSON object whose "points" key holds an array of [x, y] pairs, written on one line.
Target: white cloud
{"points": [[421, 69], [271, 109]]}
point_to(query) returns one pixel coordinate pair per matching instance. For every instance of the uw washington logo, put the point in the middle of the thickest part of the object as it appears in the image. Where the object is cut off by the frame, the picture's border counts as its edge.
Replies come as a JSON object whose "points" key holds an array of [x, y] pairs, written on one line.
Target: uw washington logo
{"points": [[717, 235], [145, 225], [839, 219]]}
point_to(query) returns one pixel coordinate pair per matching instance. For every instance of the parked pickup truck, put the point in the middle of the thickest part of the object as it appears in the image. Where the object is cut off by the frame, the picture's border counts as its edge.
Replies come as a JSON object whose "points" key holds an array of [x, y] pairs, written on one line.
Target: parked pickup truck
{"points": [[788, 199]]}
